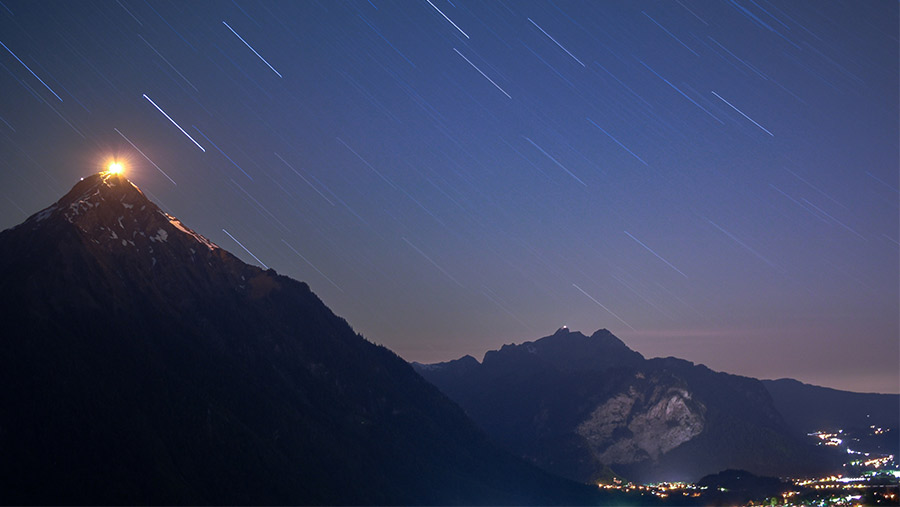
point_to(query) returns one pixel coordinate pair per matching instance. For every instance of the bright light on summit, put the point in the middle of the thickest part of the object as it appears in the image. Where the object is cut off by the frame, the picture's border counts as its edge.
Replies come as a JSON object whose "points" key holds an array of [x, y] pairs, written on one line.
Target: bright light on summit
{"points": [[115, 168]]}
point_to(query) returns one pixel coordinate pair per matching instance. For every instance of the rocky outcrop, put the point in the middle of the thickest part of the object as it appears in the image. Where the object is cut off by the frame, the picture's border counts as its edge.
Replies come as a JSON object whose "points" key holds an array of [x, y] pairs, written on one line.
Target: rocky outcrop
{"points": [[633, 426]]}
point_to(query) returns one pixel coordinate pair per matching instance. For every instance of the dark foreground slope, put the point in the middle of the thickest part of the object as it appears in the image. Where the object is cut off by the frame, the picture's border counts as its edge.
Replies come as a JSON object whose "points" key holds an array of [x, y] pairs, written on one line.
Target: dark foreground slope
{"points": [[140, 363], [584, 407]]}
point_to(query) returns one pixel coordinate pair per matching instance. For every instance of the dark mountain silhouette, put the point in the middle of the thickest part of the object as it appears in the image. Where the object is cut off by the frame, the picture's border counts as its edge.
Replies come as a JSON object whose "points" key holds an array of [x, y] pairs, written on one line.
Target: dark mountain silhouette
{"points": [[140, 363], [810, 408], [586, 407]]}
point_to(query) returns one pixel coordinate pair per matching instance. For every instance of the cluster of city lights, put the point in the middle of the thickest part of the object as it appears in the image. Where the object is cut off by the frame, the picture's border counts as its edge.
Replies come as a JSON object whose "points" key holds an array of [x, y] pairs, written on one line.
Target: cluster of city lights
{"points": [[841, 490], [876, 463], [878, 431], [661, 490], [832, 439]]}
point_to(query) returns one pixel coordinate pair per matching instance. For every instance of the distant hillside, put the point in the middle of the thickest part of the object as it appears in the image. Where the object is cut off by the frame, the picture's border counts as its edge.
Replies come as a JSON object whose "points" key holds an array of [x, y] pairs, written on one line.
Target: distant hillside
{"points": [[809, 408], [585, 407]]}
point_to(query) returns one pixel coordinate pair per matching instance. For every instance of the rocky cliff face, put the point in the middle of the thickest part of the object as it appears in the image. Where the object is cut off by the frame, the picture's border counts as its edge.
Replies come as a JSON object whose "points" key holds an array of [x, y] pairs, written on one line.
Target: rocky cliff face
{"points": [[636, 426]]}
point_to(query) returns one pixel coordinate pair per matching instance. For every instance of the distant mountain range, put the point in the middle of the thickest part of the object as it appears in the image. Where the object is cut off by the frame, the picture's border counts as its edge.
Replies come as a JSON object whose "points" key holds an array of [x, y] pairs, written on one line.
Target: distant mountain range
{"points": [[142, 364], [588, 407]]}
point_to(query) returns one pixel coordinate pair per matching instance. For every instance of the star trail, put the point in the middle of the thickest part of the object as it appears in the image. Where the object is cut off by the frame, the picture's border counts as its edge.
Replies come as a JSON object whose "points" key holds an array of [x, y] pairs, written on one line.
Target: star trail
{"points": [[451, 176]]}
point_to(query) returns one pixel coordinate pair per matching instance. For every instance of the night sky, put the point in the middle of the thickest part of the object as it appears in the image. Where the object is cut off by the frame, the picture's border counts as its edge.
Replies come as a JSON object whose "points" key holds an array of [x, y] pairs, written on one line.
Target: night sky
{"points": [[713, 180]]}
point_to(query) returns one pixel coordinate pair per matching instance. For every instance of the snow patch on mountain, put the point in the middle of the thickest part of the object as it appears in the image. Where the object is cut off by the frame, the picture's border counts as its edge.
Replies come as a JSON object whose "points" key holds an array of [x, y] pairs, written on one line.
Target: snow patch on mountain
{"points": [[161, 235], [180, 226], [42, 215]]}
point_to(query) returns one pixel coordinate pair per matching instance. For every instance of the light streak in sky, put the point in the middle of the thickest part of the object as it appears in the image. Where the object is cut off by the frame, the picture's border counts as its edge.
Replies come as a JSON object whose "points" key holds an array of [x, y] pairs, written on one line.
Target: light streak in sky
{"points": [[817, 189], [251, 49], [245, 249], [682, 93], [879, 180], [435, 264], [605, 308], [744, 115], [545, 62], [557, 43], [617, 142], [623, 84], [364, 161], [304, 179], [641, 296], [448, 19], [167, 63], [739, 242], [482, 73], [692, 12], [32, 72], [222, 152], [176, 32], [7, 124], [145, 156], [747, 64], [820, 210], [266, 210], [378, 32], [798, 203], [129, 13], [488, 293], [762, 23], [43, 69], [670, 33], [173, 123], [656, 254], [63, 118], [311, 265], [555, 161]]}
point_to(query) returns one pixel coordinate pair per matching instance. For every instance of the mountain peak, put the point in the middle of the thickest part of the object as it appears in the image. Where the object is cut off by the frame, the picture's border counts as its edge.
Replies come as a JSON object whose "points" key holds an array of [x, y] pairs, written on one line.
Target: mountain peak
{"points": [[570, 350], [94, 190], [110, 211]]}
